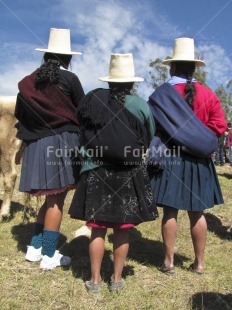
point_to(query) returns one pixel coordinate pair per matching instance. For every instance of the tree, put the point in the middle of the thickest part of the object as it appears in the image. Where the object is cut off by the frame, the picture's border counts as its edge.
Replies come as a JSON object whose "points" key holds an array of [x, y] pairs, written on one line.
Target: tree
{"points": [[158, 73], [134, 91], [200, 75], [229, 88], [226, 101]]}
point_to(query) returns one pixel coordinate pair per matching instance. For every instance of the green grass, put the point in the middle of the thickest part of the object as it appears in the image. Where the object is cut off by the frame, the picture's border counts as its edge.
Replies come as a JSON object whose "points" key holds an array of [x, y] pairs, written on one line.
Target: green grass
{"points": [[24, 286]]}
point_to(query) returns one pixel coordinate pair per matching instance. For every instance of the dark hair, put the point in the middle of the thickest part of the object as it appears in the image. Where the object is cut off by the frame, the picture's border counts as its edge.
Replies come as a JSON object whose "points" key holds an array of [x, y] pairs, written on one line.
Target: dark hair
{"points": [[186, 69], [120, 90], [49, 71], [63, 59]]}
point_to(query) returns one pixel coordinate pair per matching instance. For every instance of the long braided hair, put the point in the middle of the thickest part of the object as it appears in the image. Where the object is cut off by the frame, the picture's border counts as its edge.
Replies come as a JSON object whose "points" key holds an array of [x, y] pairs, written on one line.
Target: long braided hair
{"points": [[120, 90], [49, 72], [186, 69]]}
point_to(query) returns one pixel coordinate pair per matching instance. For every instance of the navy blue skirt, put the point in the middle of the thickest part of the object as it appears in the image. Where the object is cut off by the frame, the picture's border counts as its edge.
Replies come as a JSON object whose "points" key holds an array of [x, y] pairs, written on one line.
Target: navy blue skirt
{"points": [[47, 164], [187, 183]]}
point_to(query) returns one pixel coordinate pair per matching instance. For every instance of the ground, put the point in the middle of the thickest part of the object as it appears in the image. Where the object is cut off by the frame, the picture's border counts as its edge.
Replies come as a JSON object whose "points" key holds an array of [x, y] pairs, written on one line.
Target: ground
{"points": [[25, 286]]}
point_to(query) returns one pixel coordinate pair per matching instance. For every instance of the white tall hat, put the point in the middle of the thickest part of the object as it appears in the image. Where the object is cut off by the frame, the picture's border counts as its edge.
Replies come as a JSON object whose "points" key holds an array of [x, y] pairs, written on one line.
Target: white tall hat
{"points": [[121, 69], [183, 50], [59, 43]]}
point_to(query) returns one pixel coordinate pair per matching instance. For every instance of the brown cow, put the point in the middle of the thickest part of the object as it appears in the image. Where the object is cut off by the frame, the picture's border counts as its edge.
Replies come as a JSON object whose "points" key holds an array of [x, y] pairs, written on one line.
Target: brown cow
{"points": [[9, 146]]}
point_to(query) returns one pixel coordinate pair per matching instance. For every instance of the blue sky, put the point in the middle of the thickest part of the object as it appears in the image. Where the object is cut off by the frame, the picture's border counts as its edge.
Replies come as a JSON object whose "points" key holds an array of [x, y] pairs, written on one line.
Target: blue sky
{"points": [[145, 28]]}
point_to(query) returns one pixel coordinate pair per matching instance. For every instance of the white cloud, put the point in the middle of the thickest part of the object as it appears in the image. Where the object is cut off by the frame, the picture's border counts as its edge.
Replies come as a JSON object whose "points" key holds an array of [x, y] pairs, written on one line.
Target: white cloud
{"points": [[17, 60], [100, 27], [117, 27], [10, 78], [218, 64]]}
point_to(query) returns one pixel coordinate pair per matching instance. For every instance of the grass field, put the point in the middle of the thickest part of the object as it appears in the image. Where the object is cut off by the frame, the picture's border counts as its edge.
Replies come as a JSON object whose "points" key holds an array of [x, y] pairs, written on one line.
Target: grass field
{"points": [[25, 286]]}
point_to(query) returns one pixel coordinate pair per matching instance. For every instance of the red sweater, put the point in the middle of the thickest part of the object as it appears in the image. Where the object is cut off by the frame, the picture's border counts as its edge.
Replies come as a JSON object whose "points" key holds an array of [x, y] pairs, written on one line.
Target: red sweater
{"points": [[207, 108]]}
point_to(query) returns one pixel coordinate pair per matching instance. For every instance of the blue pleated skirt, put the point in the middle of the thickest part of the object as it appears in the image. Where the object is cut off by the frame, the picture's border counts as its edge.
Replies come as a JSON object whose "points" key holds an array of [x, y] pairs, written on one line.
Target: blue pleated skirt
{"points": [[187, 183], [48, 167]]}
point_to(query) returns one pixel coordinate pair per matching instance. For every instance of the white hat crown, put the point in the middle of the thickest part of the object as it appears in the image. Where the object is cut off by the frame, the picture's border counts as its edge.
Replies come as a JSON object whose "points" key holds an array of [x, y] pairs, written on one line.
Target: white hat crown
{"points": [[121, 69], [183, 50], [59, 42]]}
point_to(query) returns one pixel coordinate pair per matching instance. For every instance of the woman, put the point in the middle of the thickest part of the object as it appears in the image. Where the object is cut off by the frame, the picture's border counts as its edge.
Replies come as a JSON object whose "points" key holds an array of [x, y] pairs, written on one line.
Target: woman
{"points": [[45, 109], [114, 189], [187, 179]]}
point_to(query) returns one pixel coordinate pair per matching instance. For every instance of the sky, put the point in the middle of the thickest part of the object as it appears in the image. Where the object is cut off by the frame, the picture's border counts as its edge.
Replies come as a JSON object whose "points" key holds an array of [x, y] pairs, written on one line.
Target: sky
{"points": [[146, 29]]}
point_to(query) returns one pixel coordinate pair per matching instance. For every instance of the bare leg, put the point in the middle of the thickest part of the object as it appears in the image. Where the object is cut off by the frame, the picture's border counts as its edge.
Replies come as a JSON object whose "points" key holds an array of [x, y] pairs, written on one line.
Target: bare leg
{"points": [[50, 214], [54, 211], [96, 252], [169, 230], [46, 230], [120, 250], [198, 227]]}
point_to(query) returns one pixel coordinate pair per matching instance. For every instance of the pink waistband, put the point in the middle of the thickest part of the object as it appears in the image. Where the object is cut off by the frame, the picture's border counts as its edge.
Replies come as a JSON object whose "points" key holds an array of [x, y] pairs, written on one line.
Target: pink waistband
{"points": [[105, 225], [53, 191]]}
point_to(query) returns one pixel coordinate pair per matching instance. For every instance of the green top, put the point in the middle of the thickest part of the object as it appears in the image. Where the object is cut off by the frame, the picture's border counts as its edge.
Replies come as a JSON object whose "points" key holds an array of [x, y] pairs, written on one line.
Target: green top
{"points": [[140, 109]]}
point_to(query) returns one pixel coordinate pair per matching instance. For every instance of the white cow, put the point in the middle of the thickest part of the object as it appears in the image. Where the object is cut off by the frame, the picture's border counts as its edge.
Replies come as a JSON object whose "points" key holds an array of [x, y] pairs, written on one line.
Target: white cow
{"points": [[9, 146]]}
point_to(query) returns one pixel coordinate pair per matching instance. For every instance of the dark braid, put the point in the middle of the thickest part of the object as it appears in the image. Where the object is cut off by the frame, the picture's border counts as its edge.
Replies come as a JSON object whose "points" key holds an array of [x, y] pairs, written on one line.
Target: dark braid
{"points": [[120, 90], [186, 69], [49, 72], [190, 93]]}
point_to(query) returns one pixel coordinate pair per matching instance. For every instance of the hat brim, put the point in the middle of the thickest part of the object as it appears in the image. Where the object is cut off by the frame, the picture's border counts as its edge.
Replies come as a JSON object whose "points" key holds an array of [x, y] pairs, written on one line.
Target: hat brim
{"points": [[199, 63], [45, 50], [121, 80]]}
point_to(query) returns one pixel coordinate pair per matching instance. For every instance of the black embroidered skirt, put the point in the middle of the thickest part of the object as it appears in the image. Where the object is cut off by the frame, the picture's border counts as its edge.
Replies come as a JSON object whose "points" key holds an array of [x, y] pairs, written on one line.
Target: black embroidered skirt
{"points": [[114, 194]]}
